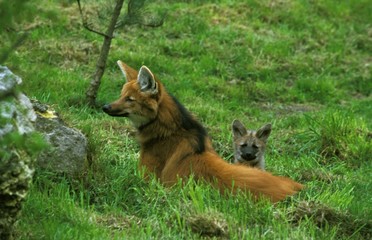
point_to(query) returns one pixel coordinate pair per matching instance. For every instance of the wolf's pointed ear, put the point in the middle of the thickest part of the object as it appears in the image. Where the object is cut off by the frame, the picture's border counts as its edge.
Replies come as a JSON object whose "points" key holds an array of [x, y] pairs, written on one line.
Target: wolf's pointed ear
{"points": [[238, 129], [264, 132], [146, 80], [128, 72]]}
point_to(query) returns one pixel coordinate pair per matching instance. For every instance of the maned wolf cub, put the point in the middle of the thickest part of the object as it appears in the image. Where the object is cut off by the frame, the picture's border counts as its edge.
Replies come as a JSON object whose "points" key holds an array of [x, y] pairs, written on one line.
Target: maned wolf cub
{"points": [[249, 145]]}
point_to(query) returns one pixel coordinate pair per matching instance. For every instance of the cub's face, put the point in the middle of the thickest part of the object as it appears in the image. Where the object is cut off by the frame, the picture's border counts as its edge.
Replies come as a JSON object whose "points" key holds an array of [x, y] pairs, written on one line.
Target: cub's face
{"points": [[249, 145], [138, 100]]}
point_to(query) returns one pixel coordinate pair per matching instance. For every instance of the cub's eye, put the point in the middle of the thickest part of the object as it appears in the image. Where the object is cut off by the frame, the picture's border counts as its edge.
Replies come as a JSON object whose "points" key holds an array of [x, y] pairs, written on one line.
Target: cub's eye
{"points": [[254, 146], [129, 99], [243, 145]]}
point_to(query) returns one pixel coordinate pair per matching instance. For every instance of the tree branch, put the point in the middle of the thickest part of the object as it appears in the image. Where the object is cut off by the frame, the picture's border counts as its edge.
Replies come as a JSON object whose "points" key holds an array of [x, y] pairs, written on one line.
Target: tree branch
{"points": [[91, 93], [86, 24]]}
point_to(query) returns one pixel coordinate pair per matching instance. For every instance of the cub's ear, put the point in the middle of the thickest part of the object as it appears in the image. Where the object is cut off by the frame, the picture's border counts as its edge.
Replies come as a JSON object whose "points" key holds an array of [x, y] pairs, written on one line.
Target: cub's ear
{"points": [[146, 80], [128, 72], [264, 132], [238, 129]]}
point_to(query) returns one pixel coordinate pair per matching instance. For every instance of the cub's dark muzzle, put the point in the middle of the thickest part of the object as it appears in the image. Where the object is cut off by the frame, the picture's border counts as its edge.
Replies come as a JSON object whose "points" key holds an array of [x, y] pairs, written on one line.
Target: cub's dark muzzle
{"points": [[248, 153]]}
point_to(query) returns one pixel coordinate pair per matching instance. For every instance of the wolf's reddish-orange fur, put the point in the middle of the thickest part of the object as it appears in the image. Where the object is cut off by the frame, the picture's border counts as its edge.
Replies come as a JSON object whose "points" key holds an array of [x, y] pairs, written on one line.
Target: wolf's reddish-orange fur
{"points": [[174, 145]]}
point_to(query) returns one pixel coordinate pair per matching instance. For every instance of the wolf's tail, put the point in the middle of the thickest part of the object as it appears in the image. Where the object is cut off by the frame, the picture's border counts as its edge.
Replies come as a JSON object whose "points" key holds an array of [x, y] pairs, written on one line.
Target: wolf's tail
{"points": [[258, 183]]}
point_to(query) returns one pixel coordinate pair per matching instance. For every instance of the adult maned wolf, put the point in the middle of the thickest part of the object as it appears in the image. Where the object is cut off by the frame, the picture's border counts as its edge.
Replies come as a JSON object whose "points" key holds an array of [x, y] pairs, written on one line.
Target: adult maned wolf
{"points": [[249, 145], [175, 145]]}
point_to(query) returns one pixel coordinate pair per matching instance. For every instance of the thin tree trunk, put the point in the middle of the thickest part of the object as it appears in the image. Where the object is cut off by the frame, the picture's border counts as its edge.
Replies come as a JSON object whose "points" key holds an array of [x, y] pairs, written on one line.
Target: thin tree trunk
{"points": [[91, 93]]}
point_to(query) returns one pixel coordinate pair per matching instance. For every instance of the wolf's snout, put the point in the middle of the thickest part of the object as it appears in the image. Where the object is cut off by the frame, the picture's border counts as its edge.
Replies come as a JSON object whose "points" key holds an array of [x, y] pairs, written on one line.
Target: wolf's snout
{"points": [[106, 108], [248, 153]]}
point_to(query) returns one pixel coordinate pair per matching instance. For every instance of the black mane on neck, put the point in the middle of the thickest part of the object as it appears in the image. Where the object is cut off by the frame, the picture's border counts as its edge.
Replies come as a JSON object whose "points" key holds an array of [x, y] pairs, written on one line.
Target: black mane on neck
{"points": [[190, 124]]}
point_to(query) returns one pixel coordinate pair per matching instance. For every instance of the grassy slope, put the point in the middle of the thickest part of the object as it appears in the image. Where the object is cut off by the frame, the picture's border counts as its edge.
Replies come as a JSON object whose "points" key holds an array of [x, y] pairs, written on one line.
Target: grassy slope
{"points": [[305, 66]]}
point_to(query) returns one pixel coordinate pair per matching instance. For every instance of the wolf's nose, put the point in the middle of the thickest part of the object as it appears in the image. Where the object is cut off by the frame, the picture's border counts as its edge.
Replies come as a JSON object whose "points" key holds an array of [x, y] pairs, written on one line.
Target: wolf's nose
{"points": [[106, 108], [248, 156]]}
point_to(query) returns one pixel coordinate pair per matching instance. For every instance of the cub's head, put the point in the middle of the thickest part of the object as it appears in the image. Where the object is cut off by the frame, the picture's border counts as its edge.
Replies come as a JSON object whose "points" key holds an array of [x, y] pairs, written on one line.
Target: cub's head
{"points": [[139, 98], [249, 145]]}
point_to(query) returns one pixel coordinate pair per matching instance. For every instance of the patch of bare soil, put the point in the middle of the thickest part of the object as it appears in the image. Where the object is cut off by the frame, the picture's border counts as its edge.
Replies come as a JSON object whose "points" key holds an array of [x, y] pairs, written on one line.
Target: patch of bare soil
{"points": [[116, 223], [324, 216], [308, 175], [210, 225], [285, 109]]}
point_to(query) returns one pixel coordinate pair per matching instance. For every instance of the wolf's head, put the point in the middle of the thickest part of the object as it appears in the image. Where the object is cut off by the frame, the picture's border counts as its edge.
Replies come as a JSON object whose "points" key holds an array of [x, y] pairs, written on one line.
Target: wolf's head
{"points": [[249, 145], [139, 98]]}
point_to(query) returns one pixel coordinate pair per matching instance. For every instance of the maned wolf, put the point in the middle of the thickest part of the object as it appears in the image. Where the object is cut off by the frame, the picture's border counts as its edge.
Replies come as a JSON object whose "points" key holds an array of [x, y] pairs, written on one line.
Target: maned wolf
{"points": [[175, 145], [249, 145]]}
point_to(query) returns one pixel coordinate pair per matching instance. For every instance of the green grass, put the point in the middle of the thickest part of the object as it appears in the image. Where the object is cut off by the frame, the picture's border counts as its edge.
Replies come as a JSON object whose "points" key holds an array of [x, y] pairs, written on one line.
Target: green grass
{"points": [[304, 66]]}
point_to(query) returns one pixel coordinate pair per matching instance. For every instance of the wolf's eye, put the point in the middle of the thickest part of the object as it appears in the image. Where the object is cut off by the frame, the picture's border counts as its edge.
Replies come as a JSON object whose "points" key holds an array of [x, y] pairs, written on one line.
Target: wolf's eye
{"points": [[243, 145], [254, 146]]}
